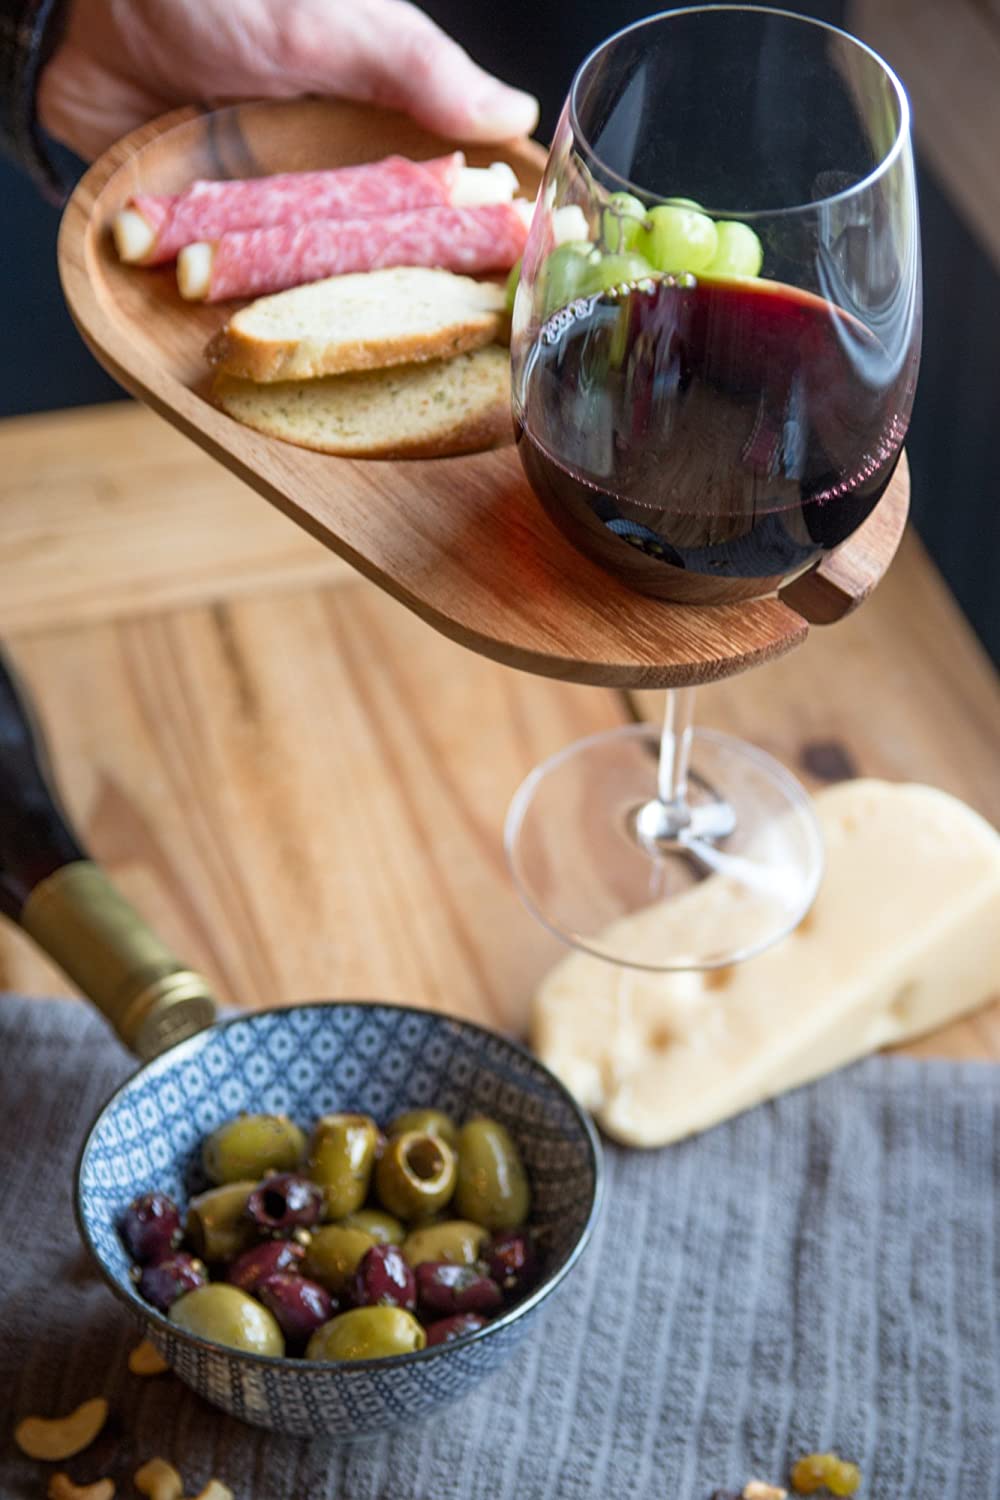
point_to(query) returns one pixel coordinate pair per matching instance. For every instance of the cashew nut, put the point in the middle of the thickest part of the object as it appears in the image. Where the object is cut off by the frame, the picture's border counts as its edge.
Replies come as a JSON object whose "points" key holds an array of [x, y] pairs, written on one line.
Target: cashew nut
{"points": [[61, 1487], [758, 1490], [159, 1480], [214, 1490], [146, 1359], [50, 1438]]}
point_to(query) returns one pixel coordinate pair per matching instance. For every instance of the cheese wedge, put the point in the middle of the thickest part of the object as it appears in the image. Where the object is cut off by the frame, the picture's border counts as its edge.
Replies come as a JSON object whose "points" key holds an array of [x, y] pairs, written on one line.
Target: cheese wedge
{"points": [[904, 936]]}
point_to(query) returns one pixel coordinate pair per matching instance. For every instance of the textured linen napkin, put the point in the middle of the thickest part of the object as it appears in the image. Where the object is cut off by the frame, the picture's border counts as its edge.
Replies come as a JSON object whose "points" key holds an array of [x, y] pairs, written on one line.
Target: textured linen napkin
{"points": [[821, 1272]]}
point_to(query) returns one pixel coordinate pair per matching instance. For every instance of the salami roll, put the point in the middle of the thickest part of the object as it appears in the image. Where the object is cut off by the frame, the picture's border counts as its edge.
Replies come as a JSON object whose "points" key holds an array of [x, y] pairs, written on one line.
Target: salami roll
{"points": [[252, 262], [154, 228]]}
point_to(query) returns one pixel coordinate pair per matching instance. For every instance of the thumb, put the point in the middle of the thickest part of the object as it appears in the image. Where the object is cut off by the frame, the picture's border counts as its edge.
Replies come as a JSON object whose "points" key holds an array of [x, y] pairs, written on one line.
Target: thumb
{"points": [[400, 58]]}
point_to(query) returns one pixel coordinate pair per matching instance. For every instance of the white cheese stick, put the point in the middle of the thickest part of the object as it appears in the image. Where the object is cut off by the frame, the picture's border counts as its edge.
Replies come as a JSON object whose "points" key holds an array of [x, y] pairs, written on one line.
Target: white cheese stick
{"points": [[134, 235], [904, 936], [496, 183], [194, 271], [569, 223]]}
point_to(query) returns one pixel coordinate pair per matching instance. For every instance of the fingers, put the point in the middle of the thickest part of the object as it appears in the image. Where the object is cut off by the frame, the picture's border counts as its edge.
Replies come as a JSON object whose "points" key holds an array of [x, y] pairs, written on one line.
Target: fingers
{"points": [[83, 106], [436, 81], [392, 53]]}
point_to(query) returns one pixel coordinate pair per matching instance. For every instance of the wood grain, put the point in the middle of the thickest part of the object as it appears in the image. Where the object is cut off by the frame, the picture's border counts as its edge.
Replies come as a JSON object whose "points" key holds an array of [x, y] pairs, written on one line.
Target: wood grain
{"points": [[107, 511], [462, 542], [304, 790], [305, 793], [948, 57]]}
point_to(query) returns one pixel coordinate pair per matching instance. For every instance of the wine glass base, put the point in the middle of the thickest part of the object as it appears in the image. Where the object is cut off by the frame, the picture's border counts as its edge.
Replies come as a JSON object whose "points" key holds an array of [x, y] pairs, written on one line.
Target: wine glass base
{"points": [[740, 876]]}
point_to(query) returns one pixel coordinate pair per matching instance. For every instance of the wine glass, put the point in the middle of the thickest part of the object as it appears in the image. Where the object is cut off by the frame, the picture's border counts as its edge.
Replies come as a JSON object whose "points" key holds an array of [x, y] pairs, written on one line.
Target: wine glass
{"points": [[714, 346]]}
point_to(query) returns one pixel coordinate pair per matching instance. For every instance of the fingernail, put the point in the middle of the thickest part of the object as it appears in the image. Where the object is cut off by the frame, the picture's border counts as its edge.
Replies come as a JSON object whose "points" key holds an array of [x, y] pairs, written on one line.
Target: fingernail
{"points": [[506, 110]]}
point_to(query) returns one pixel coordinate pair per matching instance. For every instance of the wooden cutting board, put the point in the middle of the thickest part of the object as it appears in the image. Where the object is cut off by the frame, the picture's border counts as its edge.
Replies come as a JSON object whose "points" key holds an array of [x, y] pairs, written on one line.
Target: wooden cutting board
{"points": [[303, 789], [462, 541]]}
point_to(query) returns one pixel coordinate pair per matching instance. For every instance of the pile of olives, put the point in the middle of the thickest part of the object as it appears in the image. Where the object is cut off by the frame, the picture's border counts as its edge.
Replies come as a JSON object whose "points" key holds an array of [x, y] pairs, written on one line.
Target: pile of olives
{"points": [[353, 1244]]}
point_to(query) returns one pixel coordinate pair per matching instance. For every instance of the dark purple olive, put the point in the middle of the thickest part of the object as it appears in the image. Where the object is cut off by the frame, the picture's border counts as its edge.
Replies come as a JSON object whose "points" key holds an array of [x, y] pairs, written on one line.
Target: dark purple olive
{"points": [[383, 1279], [151, 1227], [261, 1261], [285, 1202], [446, 1288], [169, 1279], [299, 1305], [445, 1330], [513, 1263]]}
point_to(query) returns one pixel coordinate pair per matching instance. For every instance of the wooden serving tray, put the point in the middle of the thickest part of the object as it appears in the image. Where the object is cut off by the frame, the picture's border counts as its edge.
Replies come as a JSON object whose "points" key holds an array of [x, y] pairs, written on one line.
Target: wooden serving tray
{"points": [[460, 541]]}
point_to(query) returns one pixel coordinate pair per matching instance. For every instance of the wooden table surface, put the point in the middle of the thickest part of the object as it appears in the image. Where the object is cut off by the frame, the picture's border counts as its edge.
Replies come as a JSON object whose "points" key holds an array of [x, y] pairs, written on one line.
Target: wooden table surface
{"points": [[303, 787]]}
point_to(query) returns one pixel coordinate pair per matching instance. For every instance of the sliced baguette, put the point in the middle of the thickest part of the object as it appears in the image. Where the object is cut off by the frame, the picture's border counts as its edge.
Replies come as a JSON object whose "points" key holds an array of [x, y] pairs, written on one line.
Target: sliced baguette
{"points": [[359, 322], [428, 410]]}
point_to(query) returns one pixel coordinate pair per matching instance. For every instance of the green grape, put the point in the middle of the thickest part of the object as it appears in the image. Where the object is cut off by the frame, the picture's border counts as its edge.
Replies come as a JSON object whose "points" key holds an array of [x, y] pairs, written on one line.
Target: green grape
{"points": [[739, 252], [564, 273], [686, 203], [621, 222], [614, 270], [512, 280], [677, 239]]}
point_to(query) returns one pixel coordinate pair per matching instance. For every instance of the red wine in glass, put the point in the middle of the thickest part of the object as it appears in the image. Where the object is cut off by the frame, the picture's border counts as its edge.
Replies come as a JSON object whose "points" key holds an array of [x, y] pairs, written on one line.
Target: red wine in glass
{"points": [[710, 439]]}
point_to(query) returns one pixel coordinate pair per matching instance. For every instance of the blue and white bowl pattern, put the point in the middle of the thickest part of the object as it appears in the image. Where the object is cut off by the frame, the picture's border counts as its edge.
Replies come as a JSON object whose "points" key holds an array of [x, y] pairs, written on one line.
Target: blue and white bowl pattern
{"points": [[309, 1060]]}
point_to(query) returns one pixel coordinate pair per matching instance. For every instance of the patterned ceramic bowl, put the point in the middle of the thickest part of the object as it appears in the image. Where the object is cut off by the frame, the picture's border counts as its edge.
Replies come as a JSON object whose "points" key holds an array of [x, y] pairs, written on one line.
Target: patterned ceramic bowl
{"points": [[305, 1061]]}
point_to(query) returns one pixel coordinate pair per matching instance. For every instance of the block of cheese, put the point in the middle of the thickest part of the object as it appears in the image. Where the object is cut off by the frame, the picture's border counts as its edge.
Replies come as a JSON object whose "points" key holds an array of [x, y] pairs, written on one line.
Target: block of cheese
{"points": [[903, 937]]}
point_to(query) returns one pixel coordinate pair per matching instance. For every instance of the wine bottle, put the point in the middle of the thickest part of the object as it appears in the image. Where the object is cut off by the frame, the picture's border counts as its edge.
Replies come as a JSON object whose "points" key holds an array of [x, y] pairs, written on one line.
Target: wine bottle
{"points": [[52, 888]]}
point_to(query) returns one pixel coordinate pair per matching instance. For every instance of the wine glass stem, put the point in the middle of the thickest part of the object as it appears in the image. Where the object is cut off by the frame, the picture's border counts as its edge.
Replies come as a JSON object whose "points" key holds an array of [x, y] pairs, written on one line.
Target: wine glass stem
{"points": [[675, 752]]}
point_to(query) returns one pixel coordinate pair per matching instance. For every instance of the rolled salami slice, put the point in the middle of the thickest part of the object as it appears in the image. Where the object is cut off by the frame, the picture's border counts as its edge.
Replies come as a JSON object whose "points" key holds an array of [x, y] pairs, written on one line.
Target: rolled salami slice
{"points": [[153, 228], [252, 262]]}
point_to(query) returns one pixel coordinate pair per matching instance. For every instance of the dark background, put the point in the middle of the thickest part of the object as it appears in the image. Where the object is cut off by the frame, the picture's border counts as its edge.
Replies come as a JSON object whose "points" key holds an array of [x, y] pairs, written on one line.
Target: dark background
{"points": [[538, 44]]}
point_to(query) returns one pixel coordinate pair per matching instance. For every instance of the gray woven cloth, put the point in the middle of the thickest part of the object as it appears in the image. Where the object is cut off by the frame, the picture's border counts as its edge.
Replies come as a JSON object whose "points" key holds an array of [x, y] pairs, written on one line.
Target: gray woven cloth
{"points": [[821, 1272]]}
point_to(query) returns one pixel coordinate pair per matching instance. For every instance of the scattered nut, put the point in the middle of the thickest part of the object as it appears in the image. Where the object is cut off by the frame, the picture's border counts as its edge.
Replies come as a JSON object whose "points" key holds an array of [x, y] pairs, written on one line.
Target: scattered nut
{"points": [[758, 1490], [146, 1359], [214, 1490], [159, 1480], [61, 1487], [50, 1438]]}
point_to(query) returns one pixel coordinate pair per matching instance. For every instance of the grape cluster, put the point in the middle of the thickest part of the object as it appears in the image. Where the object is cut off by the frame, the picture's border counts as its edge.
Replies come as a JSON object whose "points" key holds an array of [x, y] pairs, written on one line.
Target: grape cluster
{"points": [[636, 243]]}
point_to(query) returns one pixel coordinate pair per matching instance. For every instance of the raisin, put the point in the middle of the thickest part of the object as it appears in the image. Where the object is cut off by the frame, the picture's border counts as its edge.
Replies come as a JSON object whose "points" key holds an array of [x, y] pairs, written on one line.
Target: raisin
{"points": [[811, 1473], [844, 1479]]}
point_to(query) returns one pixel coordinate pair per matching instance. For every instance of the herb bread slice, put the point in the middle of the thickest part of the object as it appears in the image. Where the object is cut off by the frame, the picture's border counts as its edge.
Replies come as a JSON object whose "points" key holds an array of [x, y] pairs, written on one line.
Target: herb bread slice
{"points": [[430, 410], [359, 322]]}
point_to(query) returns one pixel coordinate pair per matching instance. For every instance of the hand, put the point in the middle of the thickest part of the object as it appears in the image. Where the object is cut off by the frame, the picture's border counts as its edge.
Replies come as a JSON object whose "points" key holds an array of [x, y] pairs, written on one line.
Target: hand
{"points": [[122, 62]]}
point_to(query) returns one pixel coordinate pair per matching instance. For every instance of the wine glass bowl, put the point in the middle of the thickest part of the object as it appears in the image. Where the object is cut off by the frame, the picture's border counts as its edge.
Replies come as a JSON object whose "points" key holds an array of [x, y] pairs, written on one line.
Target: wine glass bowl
{"points": [[716, 333], [714, 349]]}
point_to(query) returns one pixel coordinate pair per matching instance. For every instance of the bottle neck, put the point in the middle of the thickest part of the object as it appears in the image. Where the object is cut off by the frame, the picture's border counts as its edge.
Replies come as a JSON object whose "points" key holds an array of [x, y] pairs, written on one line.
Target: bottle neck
{"points": [[78, 917], [35, 836]]}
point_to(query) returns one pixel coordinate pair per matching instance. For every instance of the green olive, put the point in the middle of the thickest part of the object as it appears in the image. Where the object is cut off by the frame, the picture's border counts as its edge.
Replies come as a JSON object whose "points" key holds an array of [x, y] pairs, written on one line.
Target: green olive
{"points": [[456, 1240], [228, 1316], [492, 1183], [341, 1158], [217, 1224], [252, 1145], [416, 1175], [367, 1333], [334, 1254], [428, 1122], [383, 1228]]}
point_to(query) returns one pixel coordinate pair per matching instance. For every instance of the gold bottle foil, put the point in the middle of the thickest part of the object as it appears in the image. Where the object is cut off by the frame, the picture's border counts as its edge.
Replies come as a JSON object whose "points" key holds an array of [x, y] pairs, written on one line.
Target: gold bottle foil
{"points": [[105, 947]]}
